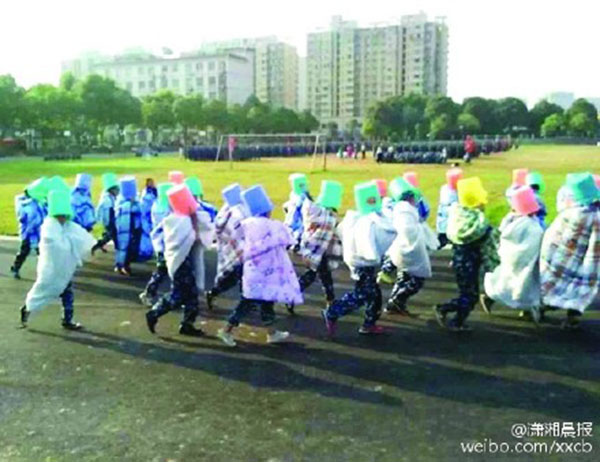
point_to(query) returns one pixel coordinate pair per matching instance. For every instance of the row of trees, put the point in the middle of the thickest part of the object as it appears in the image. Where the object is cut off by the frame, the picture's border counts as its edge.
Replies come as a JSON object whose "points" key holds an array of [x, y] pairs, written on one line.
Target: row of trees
{"points": [[84, 109], [439, 117]]}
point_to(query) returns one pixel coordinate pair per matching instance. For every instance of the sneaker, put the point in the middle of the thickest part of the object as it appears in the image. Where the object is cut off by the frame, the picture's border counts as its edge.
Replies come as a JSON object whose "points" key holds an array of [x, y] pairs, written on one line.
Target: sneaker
{"points": [[190, 330], [385, 278], [24, 315], [371, 330], [70, 325], [15, 272], [151, 321], [440, 315], [392, 308], [486, 303], [454, 326], [278, 336], [146, 299], [117, 269], [226, 337], [290, 308], [125, 271], [524, 314], [329, 324], [210, 299]]}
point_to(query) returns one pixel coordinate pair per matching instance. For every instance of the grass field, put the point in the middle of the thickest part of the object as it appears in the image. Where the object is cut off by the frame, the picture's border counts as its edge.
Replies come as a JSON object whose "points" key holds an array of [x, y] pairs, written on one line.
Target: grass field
{"points": [[553, 161], [114, 392]]}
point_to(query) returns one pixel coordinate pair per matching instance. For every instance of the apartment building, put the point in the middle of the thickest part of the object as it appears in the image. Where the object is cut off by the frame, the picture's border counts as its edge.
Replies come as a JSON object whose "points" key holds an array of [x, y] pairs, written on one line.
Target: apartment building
{"points": [[349, 68]]}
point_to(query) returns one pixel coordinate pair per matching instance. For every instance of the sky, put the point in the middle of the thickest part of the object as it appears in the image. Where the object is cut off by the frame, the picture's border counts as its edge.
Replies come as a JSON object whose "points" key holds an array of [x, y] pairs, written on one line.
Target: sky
{"points": [[498, 48]]}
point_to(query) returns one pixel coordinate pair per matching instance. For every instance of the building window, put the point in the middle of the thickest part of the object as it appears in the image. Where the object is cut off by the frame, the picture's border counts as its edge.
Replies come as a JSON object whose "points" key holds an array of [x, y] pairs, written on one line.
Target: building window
{"points": [[199, 82], [188, 67], [165, 68], [175, 83], [174, 67], [221, 65], [199, 66], [212, 81], [140, 70], [211, 66], [141, 85]]}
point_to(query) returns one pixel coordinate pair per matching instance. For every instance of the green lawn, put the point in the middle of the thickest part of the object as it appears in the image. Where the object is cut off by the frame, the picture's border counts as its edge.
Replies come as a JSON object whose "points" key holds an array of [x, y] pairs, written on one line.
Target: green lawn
{"points": [[553, 161]]}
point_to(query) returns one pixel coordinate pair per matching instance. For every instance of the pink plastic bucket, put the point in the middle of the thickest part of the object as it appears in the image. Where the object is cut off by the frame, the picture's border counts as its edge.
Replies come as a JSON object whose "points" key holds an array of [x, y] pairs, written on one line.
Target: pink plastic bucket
{"points": [[452, 177], [412, 178], [523, 201], [176, 177], [181, 200]]}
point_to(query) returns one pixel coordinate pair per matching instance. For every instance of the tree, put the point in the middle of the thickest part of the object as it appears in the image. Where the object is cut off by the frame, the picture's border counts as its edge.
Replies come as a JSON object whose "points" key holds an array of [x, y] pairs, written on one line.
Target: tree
{"points": [[582, 105], [581, 124], [308, 122], [413, 115], [217, 115], [468, 124], [189, 113], [103, 103], [284, 120], [438, 105], [67, 81], [554, 125], [11, 96], [442, 127], [511, 113], [158, 111], [542, 110], [50, 110], [484, 110]]}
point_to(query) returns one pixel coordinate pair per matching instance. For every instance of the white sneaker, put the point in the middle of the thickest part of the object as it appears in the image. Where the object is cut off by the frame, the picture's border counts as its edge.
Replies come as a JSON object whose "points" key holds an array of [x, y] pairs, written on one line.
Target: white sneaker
{"points": [[226, 337], [146, 299], [277, 336]]}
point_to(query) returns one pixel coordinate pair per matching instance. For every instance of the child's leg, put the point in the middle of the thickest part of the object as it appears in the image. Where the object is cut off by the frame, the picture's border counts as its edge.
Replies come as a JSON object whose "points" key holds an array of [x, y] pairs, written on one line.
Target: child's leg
{"points": [[326, 279], [227, 281], [443, 239], [374, 301], [243, 308], [466, 262], [386, 275], [21, 256], [107, 236], [158, 275], [68, 298], [307, 279], [406, 286], [364, 289]]}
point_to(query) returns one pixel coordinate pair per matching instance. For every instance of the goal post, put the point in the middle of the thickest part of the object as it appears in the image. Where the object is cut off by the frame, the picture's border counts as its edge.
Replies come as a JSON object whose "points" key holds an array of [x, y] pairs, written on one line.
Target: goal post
{"points": [[261, 143]]}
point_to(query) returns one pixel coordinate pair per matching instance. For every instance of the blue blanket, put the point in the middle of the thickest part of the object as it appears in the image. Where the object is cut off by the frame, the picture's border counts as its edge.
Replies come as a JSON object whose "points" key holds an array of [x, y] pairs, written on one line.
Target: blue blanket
{"points": [[129, 245], [83, 209], [30, 214], [105, 212]]}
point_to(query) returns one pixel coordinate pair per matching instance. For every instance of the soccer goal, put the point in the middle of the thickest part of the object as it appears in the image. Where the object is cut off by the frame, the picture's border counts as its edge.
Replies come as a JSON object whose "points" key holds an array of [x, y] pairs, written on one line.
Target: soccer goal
{"points": [[245, 146]]}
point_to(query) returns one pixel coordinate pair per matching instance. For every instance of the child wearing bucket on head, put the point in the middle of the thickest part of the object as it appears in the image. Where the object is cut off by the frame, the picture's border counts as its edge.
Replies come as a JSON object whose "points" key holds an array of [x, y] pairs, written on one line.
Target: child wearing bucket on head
{"points": [[187, 233], [30, 208], [519, 178], [128, 224], [147, 199], [320, 246], [64, 245], [536, 182], [268, 273], [448, 197], [293, 207], [410, 250], [105, 212], [366, 236], [570, 256], [422, 204], [81, 201], [475, 251], [515, 282], [195, 186], [160, 210], [230, 243]]}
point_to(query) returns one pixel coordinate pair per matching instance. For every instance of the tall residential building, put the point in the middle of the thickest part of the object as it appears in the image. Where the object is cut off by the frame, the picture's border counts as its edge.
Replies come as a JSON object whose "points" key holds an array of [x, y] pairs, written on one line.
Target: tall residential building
{"points": [[275, 68], [349, 67], [227, 75], [562, 98]]}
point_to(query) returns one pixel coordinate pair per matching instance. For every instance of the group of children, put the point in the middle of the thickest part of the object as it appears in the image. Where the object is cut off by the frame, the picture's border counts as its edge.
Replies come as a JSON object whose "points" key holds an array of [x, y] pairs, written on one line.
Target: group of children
{"points": [[385, 239]]}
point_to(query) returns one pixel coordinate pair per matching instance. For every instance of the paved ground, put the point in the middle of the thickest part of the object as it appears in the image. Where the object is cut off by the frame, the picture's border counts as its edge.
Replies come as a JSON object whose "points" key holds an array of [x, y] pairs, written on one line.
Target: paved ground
{"points": [[115, 392]]}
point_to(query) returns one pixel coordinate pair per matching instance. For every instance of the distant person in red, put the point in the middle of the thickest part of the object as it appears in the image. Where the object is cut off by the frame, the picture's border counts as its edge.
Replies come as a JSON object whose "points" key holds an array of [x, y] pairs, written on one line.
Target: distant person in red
{"points": [[470, 148]]}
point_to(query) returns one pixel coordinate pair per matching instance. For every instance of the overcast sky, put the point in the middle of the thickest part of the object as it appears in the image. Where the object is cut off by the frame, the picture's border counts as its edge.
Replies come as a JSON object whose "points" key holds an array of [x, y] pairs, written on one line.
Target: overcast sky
{"points": [[498, 48]]}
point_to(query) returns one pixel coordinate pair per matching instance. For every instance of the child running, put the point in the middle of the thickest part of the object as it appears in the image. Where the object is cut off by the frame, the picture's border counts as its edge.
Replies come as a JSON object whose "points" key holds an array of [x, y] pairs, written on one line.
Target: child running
{"points": [[128, 222], [64, 245], [448, 197], [187, 233], [366, 236], [516, 280], [320, 246], [81, 201], [475, 252], [268, 273], [105, 212], [570, 256], [230, 244], [30, 208]]}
